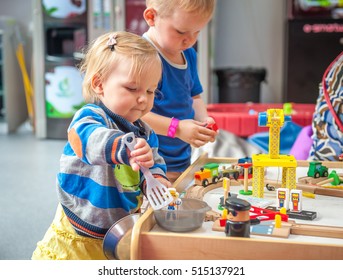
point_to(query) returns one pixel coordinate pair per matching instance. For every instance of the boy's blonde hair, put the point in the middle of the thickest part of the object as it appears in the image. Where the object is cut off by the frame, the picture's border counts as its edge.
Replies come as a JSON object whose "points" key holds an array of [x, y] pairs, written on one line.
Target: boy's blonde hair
{"points": [[99, 59], [166, 8]]}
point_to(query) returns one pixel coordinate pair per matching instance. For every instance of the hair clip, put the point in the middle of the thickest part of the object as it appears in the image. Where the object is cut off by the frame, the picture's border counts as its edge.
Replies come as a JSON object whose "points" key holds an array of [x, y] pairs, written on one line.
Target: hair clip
{"points": [[112, 41]]}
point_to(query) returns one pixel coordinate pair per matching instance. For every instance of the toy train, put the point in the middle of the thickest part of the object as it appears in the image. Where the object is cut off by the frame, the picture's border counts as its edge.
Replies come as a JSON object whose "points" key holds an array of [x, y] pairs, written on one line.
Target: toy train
{"points": [[316, 170], [210, 174]]}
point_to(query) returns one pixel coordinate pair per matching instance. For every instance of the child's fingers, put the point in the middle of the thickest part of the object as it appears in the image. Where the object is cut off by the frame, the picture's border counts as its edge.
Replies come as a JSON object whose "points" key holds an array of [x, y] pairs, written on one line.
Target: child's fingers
{"points": [[164, 182], [134, 164], [147, 164]]}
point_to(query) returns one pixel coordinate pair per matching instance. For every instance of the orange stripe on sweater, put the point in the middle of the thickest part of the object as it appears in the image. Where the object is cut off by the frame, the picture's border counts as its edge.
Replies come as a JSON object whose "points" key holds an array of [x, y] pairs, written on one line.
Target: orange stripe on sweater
{"points": [[75, 142], [85, 229], [114, 150]]}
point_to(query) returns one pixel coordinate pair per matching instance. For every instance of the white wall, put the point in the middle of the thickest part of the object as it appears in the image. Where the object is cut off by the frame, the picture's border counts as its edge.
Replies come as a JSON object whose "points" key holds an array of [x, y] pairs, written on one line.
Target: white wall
{"points": [[250, 33]]}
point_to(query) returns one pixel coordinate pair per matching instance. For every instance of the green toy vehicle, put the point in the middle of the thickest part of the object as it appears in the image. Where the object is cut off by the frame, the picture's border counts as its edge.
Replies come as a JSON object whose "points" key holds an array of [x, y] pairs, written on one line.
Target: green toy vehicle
{"points": [[316, 170]]}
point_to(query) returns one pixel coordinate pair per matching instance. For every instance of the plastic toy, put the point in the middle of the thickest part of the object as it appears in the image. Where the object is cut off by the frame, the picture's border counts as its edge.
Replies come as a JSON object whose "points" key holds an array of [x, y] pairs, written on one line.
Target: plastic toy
{"points": [[176, 199], [212, 126], [157, 194]]}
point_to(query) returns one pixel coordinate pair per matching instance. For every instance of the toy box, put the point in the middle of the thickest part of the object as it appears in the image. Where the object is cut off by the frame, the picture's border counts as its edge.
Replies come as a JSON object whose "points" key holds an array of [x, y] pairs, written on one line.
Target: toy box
{"points": [[242, 118]]}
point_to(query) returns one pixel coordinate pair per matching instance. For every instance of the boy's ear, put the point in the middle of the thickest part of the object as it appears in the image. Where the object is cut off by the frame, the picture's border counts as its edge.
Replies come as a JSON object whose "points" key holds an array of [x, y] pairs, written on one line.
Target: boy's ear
{"points": [[149, 16], [97, 84]]}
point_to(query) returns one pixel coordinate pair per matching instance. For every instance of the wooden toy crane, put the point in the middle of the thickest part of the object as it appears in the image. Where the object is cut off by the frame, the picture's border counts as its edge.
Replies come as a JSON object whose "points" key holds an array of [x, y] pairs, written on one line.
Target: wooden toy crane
{"points": [[274, 119]]}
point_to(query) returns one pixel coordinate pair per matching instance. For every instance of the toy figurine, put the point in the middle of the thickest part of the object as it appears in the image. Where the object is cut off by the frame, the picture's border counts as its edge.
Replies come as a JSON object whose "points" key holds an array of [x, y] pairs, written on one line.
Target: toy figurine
{"points": [[238, 217], [176, 200]]}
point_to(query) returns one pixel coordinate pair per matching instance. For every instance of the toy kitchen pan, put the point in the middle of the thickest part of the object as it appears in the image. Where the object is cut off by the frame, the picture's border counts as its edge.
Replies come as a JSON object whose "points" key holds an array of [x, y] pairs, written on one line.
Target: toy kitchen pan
{"points": [[117, 241]]}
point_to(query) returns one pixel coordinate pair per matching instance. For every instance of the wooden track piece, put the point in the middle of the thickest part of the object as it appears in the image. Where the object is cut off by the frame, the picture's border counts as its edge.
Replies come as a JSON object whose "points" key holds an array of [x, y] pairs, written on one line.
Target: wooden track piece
{"points": [[264, 229]]}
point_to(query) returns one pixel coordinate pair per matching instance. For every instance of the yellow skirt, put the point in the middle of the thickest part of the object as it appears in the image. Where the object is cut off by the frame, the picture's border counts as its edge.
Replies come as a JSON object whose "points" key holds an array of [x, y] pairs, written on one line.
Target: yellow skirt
{"points": [[61, 242]]}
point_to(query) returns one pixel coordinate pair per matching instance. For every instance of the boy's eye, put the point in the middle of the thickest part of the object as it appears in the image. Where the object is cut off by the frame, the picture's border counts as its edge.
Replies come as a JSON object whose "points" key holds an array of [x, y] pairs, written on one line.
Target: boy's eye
{"points": [[181, 33], [150, 91]]}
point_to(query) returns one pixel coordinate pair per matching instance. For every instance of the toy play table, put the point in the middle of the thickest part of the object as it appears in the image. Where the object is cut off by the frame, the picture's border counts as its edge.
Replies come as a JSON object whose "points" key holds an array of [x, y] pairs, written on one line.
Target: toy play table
{"points": [[149, 241]]}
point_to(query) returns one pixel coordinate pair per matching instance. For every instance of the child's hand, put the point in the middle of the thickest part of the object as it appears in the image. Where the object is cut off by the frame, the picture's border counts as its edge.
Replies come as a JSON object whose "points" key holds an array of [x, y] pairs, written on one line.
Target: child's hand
{"points": [[210, 120], [141, 155], [195, 133], [164, 182]]}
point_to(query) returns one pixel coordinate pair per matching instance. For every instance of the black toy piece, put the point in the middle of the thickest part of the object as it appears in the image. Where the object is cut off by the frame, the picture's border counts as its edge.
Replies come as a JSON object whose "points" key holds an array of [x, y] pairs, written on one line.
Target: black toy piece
{"points": [[238, 223], [302, 215]]}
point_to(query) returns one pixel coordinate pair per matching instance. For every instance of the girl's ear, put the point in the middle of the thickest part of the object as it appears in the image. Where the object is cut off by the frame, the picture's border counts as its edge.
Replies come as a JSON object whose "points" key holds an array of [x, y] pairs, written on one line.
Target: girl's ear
{"points": [[149, 16], [97, 84]]}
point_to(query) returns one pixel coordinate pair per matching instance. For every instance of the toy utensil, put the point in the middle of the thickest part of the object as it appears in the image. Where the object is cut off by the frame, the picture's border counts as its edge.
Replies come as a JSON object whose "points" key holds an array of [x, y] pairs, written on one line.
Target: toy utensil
{"points": [[157, 194]]}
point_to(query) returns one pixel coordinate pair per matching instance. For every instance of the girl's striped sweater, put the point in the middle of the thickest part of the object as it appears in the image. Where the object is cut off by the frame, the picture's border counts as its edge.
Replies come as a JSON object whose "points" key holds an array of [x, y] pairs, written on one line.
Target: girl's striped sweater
{"points": [[95, 185]]}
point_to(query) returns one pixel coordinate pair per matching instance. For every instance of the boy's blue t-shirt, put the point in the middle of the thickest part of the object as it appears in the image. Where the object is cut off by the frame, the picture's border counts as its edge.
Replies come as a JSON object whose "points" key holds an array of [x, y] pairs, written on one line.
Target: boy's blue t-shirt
{"points": [[178, 85]]}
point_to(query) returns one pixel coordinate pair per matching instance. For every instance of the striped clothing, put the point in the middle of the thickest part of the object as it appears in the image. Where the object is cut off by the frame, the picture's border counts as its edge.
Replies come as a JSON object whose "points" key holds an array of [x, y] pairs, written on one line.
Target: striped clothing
{"points": [[327, 137], [96, 186]]}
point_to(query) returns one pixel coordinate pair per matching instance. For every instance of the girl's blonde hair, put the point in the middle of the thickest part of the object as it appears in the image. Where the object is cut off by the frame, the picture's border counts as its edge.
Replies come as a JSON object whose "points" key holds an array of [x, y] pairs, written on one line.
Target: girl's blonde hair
{"points": [[100, 58], [166, 8]]}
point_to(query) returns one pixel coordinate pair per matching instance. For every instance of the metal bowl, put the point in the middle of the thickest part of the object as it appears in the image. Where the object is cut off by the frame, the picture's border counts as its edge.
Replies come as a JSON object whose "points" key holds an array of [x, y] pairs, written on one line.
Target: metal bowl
{"points": [[189, 216], [117, 241]]}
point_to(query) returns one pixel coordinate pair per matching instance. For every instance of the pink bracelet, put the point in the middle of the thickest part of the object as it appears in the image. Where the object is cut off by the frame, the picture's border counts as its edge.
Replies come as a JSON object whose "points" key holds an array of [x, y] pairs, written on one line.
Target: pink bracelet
{"points": [[172, 127]]}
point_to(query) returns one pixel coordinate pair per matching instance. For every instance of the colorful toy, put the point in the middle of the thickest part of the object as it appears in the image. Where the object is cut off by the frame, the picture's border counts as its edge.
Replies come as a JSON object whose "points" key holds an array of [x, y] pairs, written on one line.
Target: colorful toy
{"points": [[316, 170], [238, 218], [208, 174], [274, 119], [296, 199], [333, 178], [246, 167], [263, 214], [282, 197], [176, 199], [212, 126], [230, 173], [246, 160]]}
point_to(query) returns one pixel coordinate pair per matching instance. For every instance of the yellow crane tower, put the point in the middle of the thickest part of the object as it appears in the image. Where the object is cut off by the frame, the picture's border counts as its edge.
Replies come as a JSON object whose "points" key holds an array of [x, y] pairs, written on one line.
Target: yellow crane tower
{"points": [[274, 119]]}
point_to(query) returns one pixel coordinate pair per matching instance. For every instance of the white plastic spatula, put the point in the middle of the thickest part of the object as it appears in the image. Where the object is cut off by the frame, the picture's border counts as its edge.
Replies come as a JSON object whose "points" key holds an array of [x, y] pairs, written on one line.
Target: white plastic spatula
{"points": [[157, 194]]}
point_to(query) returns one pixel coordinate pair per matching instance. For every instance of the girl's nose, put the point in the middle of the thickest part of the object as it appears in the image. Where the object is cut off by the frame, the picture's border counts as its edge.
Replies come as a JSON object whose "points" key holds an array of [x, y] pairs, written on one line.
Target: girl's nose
{"points": [[142, 98]]}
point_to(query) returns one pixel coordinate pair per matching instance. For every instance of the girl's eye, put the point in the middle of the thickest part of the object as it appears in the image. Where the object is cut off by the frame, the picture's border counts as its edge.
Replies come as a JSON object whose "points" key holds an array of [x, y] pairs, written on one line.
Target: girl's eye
{"points": [[131, 89], [181, 33]]}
